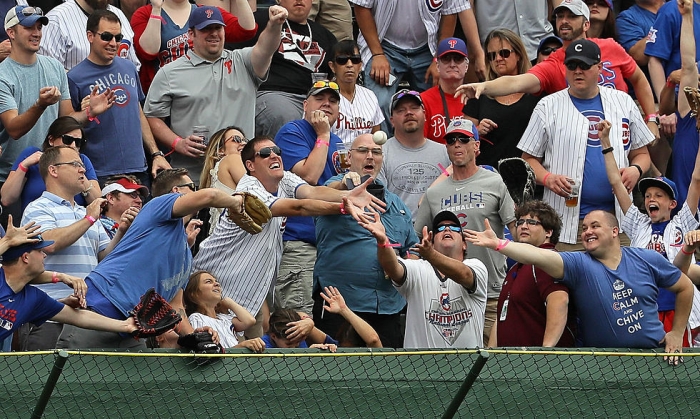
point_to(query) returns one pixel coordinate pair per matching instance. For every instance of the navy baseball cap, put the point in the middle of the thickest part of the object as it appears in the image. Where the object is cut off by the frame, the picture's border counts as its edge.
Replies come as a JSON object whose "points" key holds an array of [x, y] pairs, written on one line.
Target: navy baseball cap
{"points": [[661, 182], [443, 216], [204, 16], [405, 94], [583, 50], [548, 40], [452, 45], [323, 85], [16, 252], [26, 16]]}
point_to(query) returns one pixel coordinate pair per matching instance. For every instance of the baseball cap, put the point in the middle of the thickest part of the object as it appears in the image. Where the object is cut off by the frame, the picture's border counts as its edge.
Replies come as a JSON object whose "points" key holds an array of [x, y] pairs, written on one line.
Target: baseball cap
{"points": [[583, 50], [661, 182], [464, 127], [123, 185], [15, 252], [443, 216], [548, 40], [26, 16], [204, 16], [405, 94], [454, 45], [322, 86], [577, 7]]}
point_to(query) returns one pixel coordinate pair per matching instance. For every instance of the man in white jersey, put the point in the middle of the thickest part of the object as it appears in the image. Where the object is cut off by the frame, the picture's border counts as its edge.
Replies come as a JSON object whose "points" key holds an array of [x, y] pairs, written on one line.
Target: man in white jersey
{"points": [[246, 265], [64, 37]]}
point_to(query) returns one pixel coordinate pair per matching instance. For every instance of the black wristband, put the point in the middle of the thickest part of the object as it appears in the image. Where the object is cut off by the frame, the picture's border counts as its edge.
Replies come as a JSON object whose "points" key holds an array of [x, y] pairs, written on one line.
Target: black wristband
{"points": [[607, 150], [156, 154], [374, 55], [638, 168]]}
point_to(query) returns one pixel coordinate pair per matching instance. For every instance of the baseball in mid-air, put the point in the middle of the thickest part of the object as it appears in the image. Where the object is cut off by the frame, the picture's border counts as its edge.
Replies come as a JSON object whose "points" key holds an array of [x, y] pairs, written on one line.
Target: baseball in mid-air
{"points": [[379, 137]]}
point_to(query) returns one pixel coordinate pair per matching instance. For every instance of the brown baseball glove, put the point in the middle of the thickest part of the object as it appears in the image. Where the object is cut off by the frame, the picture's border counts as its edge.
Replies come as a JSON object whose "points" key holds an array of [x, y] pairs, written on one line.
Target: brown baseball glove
{"points": [[255, 213], [693, 96]]}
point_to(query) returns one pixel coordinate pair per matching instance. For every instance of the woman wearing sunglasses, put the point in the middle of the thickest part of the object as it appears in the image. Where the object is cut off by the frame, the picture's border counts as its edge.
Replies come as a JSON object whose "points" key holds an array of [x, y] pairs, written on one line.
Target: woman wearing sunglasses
{"points": [[359, 108], [24, 182], [602, 19], [501, 120]]}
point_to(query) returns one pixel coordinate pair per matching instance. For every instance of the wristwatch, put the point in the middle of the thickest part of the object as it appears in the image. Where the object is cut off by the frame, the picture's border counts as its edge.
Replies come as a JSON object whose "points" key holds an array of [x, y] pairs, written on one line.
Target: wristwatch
{"points": [[652, 118], [156, 154]]}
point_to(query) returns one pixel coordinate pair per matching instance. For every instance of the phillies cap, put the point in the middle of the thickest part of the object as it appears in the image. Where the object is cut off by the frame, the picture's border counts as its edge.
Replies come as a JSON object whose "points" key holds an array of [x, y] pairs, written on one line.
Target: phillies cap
{"points": [[26, 16], [663, 183], [454, 45], [204, 16], [583, 50], [16, 252], [123, 185], [464, 127], [576, 7], [443, 216]]}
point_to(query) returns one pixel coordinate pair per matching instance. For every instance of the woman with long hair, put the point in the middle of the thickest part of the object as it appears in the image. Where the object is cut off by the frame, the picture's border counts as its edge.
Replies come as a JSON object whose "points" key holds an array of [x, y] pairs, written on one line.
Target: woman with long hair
{"points": [[602, 19]]}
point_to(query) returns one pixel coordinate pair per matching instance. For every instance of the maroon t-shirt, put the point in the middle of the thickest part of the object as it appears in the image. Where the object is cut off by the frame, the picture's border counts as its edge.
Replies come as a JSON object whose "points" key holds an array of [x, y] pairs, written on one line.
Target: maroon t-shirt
{"points": [[526, 290]]}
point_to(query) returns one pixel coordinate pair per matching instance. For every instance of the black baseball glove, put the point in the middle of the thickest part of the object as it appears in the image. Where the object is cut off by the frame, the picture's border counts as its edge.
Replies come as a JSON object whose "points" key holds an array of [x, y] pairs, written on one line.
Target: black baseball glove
{"points": [[153, 315], [519, 179]]}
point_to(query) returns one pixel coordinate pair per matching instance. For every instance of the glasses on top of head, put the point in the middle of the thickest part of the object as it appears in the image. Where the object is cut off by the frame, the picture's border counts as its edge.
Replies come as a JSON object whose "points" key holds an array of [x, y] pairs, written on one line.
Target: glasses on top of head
{"points": [[31, 11], [325, 83], [456, 229], [266, 152], [364, 150], [69, 139], [454, 138], [236, 139], [548, 50], [599, 3], [457, 58], [572, 65], [190, 185], [343, 59], [75, 164], [403, 92], [505, 53], [107, 37], [529, 221]]}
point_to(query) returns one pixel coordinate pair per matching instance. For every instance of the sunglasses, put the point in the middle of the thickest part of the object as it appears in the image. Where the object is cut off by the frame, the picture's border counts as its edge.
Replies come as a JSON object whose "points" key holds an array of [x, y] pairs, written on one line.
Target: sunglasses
{"points": [[599, 3], [365, 150], [266, 152], [573, 65], [343, 59], [456, 229], [75, 164], [325, 83], [504, 53], [107, 37], [190, 185], [403, 92], [457, 58], [548, 50], [529, 222], [69, 139], [31, 11], [236, 139], [453, 139]]}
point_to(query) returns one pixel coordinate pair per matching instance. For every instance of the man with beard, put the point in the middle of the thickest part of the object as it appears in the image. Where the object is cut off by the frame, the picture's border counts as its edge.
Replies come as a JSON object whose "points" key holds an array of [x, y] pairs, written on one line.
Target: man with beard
{"points": [[118, 141], [64, 37]]}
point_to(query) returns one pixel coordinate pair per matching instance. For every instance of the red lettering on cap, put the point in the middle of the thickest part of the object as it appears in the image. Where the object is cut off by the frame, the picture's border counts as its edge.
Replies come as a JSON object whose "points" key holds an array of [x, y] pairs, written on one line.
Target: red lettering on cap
{"points": [[209, 13], [452, 43]]}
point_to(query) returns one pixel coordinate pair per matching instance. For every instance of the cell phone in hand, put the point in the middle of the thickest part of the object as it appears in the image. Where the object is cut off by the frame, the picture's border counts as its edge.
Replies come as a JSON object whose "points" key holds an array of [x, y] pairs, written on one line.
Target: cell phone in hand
{"points": [[392, 80]]}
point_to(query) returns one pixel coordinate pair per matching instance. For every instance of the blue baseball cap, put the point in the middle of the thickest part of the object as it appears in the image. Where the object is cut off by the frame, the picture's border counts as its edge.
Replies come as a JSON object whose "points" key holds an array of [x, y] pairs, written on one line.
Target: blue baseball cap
{"points": [[464, 127], [16, 252], [452, 45], [661, 182], [26, 16], [549, 39], [204, 16]]}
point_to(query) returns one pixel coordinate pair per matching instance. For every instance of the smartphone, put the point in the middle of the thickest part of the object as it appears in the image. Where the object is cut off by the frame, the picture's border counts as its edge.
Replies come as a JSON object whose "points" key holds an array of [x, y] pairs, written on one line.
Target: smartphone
{"points": [[392, 80]]}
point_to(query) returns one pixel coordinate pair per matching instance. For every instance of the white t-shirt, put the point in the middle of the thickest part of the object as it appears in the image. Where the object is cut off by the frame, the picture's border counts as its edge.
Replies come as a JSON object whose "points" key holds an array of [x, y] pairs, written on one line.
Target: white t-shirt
{"points": [[359, 116], [222, 324]]}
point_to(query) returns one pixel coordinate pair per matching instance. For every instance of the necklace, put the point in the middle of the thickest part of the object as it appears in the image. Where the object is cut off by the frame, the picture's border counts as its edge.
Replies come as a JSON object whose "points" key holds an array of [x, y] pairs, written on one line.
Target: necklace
{"points": [[291, 36]]}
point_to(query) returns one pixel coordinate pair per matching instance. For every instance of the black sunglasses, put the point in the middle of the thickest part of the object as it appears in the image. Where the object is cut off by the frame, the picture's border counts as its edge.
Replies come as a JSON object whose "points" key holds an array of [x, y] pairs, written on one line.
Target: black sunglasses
{"points": [[529, 222], [453, 139], [572, 65], [107, 37], [454, 228], [457, 58], [548, 50], [190, 185], [505, 53], [69, 139], [343, 59], [236, 139], [266, 152]]}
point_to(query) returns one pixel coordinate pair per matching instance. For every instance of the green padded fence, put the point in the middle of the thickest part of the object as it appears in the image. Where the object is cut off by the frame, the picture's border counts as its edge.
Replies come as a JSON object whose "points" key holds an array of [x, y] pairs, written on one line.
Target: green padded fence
{"points": [[352, 384]]}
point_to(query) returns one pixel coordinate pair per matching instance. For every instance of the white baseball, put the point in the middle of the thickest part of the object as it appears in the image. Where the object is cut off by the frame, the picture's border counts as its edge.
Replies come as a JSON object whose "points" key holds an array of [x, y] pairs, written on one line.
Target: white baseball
{"points": [[379, 137]]}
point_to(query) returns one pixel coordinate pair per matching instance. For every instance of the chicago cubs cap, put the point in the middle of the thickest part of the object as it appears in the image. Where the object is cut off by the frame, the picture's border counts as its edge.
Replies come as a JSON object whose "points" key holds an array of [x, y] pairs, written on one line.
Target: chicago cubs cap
{"points": [[204, 16], [15, 252], [549, 39], [576, 7], [464, 127], [454, 45], [443, 216], [405, 94], [17, 16], [583, 50], [123, 185], [663, 183]]}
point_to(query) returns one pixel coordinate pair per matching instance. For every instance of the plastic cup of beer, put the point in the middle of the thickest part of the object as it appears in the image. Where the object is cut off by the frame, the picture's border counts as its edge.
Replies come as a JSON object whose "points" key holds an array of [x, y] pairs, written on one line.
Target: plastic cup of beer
{"points": [[201, 131], [572, 200], [344, 157], [318, 77]]}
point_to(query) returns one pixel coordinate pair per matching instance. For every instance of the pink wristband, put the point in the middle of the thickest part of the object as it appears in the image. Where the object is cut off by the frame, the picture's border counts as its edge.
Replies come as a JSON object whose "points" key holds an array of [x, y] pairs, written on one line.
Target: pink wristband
{"points": [[90, 118], [320, 142], [90, 219], [54, 277], [387, 244], [342, 208], [502, 244], [686, 253], [22, 168], [158, 17], [544, 181]]}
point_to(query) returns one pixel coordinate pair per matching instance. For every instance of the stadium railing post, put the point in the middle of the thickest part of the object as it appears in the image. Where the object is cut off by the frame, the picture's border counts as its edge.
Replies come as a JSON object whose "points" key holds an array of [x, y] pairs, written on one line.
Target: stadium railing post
{"points": [[466, 385], [56, 371]]}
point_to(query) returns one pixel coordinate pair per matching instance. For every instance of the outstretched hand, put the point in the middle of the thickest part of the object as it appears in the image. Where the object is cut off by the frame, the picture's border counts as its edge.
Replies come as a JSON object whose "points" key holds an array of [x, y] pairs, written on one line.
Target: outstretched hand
{"points": [[486, 238], [16, 236], [363, 200], [469, 91], [425, 246], [371, 222], [335, 303]]}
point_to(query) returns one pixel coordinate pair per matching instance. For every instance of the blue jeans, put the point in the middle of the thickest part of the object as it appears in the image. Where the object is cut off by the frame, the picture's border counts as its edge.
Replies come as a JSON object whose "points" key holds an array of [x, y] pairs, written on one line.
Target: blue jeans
{"points": [[406, 65]]}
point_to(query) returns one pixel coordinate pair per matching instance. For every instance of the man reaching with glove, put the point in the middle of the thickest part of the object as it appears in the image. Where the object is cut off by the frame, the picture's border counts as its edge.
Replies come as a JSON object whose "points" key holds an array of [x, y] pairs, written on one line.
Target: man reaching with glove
{"points": [[245, 264]]}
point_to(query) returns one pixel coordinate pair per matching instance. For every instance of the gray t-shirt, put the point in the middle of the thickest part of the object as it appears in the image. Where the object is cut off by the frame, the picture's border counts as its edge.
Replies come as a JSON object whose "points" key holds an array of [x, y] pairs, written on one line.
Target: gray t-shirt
{"points": [[19, 89], [483, 195], [411, 170]]}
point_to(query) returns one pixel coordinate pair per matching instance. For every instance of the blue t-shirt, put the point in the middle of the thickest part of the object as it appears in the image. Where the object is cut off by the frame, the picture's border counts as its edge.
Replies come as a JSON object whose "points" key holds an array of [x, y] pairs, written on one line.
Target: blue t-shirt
{"points": [[115, 144], [35, 186], [152, 254], [685, 148], [596, 191], [29, 305], [664, 41], [270, 344], [633, 24], [297, 139], [617, 308]]}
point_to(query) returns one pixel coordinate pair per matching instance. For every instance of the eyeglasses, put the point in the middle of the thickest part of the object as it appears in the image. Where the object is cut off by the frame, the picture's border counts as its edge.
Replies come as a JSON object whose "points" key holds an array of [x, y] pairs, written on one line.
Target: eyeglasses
{"points": [[343, 59], [107, 37], [457, 58], [456, 229], [325, 83], [505, 53], [548, 50], [266, 152], [529, 222], [573, 65], [190, 185], [453, 139], [69, 139], [365, 150], [75, 164], [236, 139]]}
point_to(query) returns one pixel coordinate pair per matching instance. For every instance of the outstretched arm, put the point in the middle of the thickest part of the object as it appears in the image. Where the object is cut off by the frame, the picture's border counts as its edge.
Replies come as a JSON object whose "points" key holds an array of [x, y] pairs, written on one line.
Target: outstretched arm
{"points": [[90, 320], [454, 269], [385, 252], [611, 168], [335, 303], [269, 41]]}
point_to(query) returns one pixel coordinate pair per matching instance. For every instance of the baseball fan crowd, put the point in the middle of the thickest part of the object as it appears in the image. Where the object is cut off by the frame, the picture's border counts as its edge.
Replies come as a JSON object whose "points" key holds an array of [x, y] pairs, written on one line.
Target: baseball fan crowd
{"points": [[372, 173]]}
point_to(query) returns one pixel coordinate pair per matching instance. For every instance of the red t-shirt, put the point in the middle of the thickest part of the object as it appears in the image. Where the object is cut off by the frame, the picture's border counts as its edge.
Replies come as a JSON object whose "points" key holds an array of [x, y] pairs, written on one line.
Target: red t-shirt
{"points": [[435, 119], [617, 66]]}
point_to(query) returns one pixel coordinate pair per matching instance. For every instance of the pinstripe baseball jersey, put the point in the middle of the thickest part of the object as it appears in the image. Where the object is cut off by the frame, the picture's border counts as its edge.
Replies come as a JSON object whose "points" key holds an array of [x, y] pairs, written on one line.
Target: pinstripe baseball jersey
{"points": [[65, 39], [430, 11], [558, 133], [359, 116], [246, 265]]}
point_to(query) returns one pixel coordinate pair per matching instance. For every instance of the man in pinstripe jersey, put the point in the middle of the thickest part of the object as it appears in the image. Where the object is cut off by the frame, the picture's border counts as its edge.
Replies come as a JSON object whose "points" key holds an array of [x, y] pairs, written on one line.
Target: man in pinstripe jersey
{"points": [[561, 142]]}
